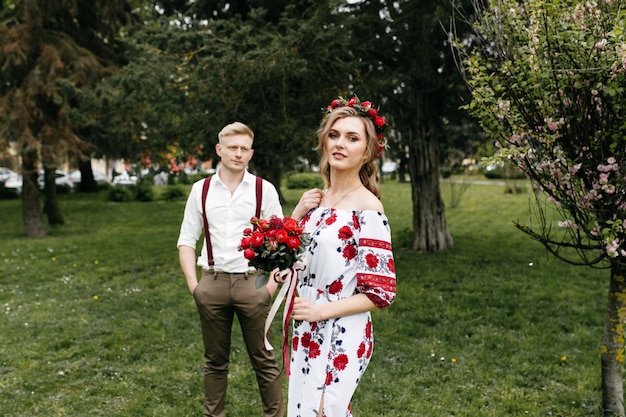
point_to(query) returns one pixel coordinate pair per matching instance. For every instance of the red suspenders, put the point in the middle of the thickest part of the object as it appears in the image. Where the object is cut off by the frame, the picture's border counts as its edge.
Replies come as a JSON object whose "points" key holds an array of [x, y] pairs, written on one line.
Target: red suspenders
{"points": [[205, 191]]}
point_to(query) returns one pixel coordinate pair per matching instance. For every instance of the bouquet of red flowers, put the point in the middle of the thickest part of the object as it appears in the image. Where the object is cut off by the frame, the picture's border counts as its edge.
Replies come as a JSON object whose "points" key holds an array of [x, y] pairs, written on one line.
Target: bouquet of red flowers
{"points": [[276, 243], [273, 243]]}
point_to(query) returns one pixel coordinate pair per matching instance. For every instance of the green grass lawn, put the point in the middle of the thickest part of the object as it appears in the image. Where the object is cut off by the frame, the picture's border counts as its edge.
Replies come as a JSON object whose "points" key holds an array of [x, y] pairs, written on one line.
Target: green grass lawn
{"points": [[96, 319]]}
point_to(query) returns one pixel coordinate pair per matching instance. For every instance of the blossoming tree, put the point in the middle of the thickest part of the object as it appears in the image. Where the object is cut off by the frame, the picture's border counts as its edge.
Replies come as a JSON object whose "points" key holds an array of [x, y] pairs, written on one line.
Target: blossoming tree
{"points": [[547, 81]]}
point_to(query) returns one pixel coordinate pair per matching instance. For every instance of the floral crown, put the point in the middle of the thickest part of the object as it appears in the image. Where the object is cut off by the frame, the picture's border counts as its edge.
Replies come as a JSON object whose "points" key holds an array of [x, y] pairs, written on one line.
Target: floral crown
{"points": [[366, 109]]}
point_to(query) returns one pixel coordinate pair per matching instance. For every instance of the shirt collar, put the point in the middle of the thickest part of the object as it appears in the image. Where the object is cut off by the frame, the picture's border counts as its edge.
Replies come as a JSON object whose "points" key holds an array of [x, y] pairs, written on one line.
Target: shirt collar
{"points": [[248, 178]]}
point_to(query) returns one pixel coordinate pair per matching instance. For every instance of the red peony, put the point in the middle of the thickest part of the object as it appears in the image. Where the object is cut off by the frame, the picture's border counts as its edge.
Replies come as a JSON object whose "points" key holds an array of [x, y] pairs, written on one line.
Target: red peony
{"points": [[290, 224], [275, 223], [379, 121], [282, 235], [257, 239], [293, 242], [274, 243]]}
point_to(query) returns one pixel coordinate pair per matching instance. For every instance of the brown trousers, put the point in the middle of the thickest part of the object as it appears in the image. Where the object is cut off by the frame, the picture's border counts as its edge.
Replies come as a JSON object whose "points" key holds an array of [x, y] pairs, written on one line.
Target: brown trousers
{"points": [[219, 296]]}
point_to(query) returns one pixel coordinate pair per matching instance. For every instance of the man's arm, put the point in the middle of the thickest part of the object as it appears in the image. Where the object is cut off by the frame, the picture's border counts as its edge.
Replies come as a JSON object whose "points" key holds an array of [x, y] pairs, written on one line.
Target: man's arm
{"points": [[271, 202], [187, 259]]}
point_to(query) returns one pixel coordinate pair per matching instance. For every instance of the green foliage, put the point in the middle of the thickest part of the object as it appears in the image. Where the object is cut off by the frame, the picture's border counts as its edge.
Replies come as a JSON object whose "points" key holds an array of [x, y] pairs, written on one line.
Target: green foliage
{"points": [[119, 194], [97, 319], [504, 170], [183, 84], [8, 193], [547, 84], [174, 193], [304, 181], [144, 191]]}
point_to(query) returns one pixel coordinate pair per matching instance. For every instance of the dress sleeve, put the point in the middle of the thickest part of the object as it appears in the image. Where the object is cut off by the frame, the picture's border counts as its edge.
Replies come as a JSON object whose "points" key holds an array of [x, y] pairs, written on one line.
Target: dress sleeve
{"points": [[376, 271]]}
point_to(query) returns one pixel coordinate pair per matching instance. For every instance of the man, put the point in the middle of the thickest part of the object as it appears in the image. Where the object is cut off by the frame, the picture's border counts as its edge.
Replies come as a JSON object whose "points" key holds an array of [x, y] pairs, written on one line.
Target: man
{"points": [[227, 285]]}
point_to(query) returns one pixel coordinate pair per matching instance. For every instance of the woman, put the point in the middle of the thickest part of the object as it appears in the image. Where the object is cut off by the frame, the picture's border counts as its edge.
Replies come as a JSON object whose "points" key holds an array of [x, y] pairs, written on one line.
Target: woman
{"points": [[349, 268]]}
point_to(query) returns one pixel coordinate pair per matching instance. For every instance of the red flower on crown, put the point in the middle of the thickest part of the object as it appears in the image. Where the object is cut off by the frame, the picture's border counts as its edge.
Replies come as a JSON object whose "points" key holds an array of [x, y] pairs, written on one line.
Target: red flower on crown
{"points": [[366, 109]]}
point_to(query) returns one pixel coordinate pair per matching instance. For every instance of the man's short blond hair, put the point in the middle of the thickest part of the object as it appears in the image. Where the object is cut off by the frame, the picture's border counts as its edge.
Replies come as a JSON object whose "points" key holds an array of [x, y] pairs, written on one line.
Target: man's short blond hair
{"points": [[235, 128]]}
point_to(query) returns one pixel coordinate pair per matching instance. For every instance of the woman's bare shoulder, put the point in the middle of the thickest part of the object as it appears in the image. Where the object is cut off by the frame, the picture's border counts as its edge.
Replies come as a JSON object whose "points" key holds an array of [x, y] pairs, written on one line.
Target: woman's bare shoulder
{"points": [[365, 200]]}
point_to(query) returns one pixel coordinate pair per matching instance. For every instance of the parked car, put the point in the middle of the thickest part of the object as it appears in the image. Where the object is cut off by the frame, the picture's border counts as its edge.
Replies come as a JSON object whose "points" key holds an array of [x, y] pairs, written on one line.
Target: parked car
{"points": [[62, 179], [389, 167], [125, 179], [6, 173], [14, 182], [98, 176]]}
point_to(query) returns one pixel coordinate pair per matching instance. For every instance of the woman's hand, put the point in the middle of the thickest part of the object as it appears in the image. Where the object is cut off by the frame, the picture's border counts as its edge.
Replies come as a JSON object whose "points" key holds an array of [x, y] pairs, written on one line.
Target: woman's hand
{"points": [[305, 310], [273, 281], [309, 200]]}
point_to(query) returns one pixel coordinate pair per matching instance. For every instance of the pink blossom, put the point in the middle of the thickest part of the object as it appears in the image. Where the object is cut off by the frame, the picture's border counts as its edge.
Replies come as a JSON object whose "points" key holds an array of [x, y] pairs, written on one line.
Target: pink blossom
{"points": [[568, 224], [612, 247], [551, 124], [604, 178], [609, 188]]}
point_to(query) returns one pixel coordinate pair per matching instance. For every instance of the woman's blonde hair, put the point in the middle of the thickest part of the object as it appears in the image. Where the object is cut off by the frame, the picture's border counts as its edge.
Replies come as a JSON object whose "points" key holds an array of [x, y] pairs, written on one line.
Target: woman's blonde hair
{"points": [[369, 171]]}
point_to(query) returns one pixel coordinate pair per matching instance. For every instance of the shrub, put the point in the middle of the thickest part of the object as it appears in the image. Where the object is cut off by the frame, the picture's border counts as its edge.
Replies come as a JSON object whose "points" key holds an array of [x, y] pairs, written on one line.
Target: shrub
{"points": [[507, 173], [173, 193], [143, 190], [104, 186], [119, 194], [304, 181], [8, 193]]}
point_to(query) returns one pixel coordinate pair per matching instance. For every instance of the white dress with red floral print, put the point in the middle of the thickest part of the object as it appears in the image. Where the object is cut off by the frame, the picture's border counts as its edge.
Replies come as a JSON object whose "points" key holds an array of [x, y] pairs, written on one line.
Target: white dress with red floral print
{"points": [[350, 252]]}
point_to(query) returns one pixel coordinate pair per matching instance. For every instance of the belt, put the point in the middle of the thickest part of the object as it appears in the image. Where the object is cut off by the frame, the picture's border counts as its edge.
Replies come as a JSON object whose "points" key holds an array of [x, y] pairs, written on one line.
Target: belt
{"points": [[218, 272]]}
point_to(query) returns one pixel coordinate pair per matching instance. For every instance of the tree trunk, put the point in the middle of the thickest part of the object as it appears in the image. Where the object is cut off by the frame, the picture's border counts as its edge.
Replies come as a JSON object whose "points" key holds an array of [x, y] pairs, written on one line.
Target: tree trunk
{"points": [[430, 230], [31, 209], [402, 168], [51, 202], [87, 182], [613, 345]]}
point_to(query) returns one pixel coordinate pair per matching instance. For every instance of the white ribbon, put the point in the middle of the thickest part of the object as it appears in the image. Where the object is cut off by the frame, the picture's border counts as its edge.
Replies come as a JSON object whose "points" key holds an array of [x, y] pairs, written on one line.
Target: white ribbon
{"points": [[288, 290]]}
